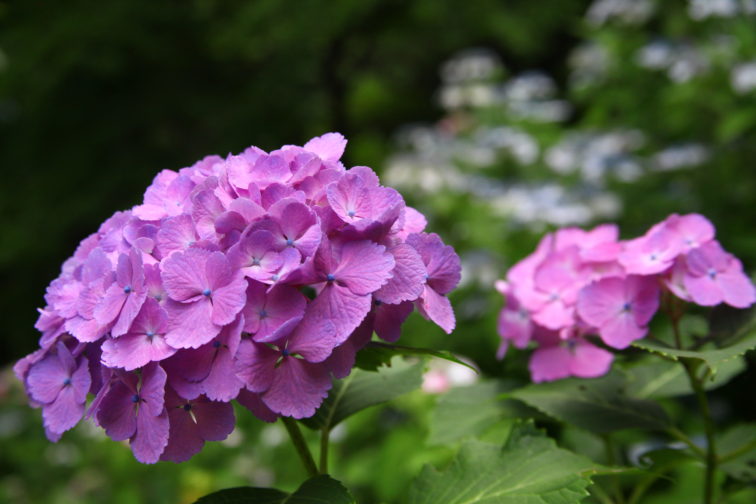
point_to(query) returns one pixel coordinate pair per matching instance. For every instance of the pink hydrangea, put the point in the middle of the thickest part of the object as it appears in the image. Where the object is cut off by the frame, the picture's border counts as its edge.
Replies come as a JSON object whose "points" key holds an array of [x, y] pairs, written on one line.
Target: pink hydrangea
{"points": [[579, 285], [254, 278]]}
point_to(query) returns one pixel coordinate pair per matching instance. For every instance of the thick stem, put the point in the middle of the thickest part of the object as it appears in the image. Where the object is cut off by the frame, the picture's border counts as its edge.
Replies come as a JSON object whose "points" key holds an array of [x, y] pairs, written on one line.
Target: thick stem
{"points": [[301, 445], [324, 434]]}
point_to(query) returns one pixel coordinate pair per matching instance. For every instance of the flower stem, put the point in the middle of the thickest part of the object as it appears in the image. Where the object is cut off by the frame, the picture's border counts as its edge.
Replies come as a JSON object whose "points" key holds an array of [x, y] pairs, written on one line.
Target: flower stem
{"points": [[611, 460], [324, 434], [696, 384], [711, 449], [301, 445]]}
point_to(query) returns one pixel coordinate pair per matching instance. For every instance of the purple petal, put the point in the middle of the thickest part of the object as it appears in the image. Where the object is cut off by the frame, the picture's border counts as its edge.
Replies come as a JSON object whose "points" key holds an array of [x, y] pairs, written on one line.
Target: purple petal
{"points": [[190, 324], [589, 361], [46, 379], [228, 300], [184, 440], [215, 420], [364, 267], [442, 263], [340, 307], [151, 437], [389, 319], [63, 413], [254, 403], [116, 412], [550, 363], [255, 365], [298, 388], [437, 308], [407, 277]]}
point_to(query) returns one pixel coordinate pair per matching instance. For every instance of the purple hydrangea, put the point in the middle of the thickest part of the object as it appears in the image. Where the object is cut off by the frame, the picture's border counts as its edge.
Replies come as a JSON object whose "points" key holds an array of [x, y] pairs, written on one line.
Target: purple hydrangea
{"points": [[254, 278], [580, 283]]}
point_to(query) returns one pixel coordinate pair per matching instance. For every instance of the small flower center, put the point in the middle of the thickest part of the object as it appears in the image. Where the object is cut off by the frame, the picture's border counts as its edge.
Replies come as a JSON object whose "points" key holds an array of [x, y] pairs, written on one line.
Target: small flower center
{"points": [[263, 314], [207, 292], [67, 382], [135, 398], [626, 307], [127, 289], [351, 213], [275, 277], [289, 242], [712, 273], [553, 296], [330, 277], [187, 407], [255, 261], [378, 302], [216, 344], [150, 334], [653, 257], [285, 352]]}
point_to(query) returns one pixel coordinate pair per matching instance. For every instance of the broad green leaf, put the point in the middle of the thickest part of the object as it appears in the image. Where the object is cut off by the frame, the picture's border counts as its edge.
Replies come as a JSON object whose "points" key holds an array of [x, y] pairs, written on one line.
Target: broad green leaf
{"points": [[598, 405], [653, 378], [318, 490], [741, 440], [376, 354], [471, 410], [362, 389], [530, 469], [714, 358]]}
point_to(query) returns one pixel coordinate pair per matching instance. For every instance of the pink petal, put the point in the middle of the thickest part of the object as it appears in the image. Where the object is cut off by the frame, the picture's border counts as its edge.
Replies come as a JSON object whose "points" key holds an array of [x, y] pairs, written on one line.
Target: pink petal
{"points": [[600, 301], [589, 361], [703, 290], [621, 330], [737, 288], [550, 363], [183, 274], [329, 147]]}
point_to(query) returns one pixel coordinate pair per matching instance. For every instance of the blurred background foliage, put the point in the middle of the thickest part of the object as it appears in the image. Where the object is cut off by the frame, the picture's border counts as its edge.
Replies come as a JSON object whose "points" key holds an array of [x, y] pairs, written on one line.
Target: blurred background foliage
{"points": [[500, 120]]}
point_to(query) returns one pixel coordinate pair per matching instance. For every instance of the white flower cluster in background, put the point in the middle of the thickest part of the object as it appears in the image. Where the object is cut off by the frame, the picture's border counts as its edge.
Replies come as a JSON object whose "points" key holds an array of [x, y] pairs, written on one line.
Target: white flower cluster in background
{"points": [[625, 11], [702, 9]]}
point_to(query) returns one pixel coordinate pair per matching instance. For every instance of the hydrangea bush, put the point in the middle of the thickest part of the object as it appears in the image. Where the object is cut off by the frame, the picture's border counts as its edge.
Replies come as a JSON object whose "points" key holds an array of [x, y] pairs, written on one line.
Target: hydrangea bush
{"points": [[579, 283], [253, 278]]}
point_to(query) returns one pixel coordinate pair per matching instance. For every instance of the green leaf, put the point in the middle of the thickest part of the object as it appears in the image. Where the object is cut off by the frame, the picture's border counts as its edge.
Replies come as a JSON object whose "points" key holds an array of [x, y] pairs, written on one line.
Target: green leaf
{"points": [[318, 490], [741, 440], [377, 354], [714, 358], [654, 378], [362, 389], [471, 410], [529, 469], [599, 404]]}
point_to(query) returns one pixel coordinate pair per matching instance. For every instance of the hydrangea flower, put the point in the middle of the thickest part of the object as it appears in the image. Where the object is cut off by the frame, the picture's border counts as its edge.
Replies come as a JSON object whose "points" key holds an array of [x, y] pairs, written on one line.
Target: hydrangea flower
{"points": [[579, 284], [256, 277]]}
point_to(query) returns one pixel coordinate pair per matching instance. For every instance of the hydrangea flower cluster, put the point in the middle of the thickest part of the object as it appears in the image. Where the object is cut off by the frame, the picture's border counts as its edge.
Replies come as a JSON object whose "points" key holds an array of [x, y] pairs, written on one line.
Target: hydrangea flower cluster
{"points": [[256, 277], [580, 283]]}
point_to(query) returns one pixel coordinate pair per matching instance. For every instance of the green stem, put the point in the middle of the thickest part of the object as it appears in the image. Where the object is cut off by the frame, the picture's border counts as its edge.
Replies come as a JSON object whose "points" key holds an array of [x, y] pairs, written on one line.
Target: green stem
{"points": [[301, 445], [600, 494], [711, 449], [324, 450], [696, 384], [645, 483], [680, 436], [612, 461]]}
